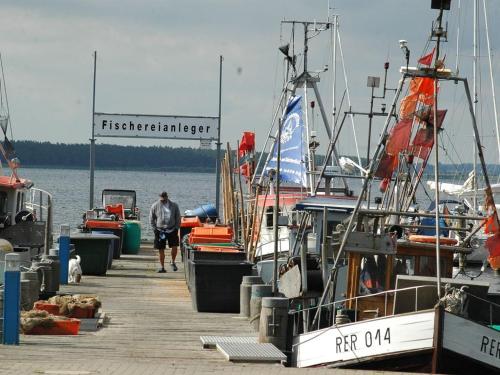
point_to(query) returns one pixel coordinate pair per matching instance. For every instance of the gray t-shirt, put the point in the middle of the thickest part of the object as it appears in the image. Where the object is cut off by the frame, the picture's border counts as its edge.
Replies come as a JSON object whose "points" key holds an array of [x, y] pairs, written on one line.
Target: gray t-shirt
{"points": [[166, 217]]}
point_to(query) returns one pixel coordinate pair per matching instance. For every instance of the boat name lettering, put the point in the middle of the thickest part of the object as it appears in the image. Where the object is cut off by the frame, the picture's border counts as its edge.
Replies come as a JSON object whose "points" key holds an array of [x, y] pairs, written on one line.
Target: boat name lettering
{"points": [[172, 128], [350, 342], [490, 346]]}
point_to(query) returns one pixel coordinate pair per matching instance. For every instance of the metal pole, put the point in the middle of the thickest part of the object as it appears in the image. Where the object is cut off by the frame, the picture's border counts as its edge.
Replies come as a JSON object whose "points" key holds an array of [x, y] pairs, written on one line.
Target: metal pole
{"points": [[270, 153], [48, 226], [276, 211], [474, 83], [92, 142], [348, 96], [329, 133], [334, 72], [436, 179], [488, 192], [370, 119], [493, 96], [324, 248], [436, 159], [217, 164]]}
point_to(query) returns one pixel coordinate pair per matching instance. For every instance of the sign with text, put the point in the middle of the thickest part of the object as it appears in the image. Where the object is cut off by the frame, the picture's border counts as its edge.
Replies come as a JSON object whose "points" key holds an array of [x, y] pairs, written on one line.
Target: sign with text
{"points": [[151, 126]]}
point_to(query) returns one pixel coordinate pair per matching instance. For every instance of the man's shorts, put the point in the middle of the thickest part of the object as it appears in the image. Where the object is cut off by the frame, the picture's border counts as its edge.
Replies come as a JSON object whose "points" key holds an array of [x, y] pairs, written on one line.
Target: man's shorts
{"points": [[161, 243]]}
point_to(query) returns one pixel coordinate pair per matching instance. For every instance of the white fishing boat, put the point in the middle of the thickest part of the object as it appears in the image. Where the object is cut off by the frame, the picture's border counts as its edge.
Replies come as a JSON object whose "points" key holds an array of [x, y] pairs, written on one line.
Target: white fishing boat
{"points": [[401, 309], [25, 211]]}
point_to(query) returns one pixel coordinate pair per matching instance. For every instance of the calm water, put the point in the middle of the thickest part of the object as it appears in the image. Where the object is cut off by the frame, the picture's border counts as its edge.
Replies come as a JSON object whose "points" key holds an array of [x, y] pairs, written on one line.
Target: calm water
{"points": [[70, 190]]}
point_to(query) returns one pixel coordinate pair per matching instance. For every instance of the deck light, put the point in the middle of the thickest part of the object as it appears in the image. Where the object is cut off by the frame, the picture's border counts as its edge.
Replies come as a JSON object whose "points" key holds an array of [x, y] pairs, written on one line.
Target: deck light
{"points": [[441, 4], [403, 44]]}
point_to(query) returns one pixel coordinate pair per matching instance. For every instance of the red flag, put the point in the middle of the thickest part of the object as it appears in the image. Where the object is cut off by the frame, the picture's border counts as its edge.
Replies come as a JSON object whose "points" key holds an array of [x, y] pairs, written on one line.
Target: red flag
{"points": [[493, 245], [427, 59], [386, 166], [491, 224], [399, 137], [245, 154]]}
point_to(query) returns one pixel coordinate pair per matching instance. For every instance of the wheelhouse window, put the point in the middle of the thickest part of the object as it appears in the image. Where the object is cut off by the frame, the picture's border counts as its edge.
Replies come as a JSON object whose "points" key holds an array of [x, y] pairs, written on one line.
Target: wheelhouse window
{"points": [[402, 265], [427, 266], [372, 276]]}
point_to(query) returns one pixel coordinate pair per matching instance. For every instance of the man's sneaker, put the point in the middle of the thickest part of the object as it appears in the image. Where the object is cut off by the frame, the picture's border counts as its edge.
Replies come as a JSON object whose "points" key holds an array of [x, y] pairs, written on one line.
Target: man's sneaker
{"points": [[174, 266], [162, 270]]}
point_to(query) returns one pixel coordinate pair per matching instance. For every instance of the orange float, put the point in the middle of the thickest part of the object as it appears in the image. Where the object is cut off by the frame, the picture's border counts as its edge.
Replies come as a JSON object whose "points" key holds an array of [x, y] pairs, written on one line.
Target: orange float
{"points": [[432, 239]]}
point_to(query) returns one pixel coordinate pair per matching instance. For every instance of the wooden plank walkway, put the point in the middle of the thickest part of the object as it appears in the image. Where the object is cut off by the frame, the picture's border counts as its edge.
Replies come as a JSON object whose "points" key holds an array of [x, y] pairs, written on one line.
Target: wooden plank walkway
{"points": [[153, 330]]}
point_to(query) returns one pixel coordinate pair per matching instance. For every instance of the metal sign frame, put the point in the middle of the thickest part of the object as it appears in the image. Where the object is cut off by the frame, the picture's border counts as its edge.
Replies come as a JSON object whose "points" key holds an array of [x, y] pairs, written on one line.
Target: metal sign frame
{"points": [[214, 121]]}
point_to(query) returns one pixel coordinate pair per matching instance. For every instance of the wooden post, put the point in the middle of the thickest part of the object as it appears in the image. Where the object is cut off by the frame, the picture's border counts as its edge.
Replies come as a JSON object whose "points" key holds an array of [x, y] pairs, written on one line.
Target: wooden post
{"points": [[243, 226], [438, 340]]}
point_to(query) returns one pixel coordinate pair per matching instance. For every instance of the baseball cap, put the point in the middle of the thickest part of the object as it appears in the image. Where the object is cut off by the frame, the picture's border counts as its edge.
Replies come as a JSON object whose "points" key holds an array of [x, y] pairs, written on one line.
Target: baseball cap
{"points": [[163, 194]]}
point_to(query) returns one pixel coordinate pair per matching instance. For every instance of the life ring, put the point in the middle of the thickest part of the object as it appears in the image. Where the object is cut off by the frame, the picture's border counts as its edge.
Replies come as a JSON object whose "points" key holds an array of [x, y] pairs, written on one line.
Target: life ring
{"points": [[432, 239]]}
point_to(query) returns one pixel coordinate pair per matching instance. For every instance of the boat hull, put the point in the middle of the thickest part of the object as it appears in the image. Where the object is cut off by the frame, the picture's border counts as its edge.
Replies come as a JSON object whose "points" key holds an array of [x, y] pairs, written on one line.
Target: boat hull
{"points": [[429, 341]]}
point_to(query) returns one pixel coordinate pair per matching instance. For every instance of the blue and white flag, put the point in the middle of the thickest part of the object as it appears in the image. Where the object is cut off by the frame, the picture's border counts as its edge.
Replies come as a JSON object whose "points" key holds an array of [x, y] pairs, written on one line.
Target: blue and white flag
{"points": [[292, 163]]}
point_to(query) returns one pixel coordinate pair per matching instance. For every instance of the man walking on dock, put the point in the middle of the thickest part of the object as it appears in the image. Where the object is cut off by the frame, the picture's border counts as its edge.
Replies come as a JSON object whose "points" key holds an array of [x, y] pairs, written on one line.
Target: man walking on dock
{"points": [[165, 218]]}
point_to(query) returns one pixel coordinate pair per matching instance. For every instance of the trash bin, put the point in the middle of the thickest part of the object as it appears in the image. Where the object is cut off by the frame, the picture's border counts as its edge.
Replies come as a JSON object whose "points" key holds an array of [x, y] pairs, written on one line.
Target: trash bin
{"points": [[214, 280], [131, 237], [93, 249], [112, 245], [116, 227]]}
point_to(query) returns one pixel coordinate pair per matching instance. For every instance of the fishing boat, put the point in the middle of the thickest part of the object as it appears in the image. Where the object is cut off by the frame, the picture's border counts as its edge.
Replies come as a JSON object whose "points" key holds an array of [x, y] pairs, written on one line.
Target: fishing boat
{"points": [[389, 300], [292, 169], [25, 211]]}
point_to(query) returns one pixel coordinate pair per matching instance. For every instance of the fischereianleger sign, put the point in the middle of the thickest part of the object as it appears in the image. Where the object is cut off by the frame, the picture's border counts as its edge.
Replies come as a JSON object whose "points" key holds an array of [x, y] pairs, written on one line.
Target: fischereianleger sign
{"points": [[151, 126]]}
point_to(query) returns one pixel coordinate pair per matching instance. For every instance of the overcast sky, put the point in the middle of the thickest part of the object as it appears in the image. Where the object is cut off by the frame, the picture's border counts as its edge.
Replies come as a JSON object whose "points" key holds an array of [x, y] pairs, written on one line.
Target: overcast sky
{"points": [[162, 57]]}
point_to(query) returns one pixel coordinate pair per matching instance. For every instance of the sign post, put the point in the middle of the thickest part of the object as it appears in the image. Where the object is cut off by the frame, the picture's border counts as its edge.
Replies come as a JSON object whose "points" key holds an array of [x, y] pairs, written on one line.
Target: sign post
{"points": [[92, 142], [217, 165]]}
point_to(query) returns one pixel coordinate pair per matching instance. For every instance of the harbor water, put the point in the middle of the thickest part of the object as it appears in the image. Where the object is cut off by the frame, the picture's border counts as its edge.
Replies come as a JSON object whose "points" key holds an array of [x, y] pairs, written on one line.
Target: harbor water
{"points": [[70, 190]]}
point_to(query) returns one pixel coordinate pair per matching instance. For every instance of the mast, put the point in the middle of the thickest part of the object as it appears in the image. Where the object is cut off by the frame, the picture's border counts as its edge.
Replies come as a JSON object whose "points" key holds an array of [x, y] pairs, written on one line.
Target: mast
{"points": [[334, 72], [474, 84], [493, 96], [276, 214], [310, 155], [438, 33]]}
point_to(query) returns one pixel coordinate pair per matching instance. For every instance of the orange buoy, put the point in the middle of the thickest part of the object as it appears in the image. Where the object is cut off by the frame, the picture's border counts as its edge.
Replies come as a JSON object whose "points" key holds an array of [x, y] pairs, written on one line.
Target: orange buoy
{"points": [[432, 239]]}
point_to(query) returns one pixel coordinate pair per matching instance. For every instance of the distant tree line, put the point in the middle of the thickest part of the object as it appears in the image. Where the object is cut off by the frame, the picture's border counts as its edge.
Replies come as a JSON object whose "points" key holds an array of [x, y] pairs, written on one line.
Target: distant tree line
{"points": [[46, 154]]}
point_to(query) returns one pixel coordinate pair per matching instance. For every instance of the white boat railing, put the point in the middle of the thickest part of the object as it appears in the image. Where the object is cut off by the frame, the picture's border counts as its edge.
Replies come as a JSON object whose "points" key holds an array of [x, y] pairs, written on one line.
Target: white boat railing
{"points": [[344, 302], [40, 203]]}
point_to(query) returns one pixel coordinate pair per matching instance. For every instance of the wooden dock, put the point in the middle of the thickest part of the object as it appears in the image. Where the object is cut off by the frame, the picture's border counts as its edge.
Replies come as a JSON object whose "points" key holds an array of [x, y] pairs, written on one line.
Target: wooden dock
{"points": [[152, 330]]}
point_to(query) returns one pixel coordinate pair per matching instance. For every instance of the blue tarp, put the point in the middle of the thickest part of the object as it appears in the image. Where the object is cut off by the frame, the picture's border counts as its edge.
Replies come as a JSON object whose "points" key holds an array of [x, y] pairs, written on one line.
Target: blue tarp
{"points": [[432, 232]]}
